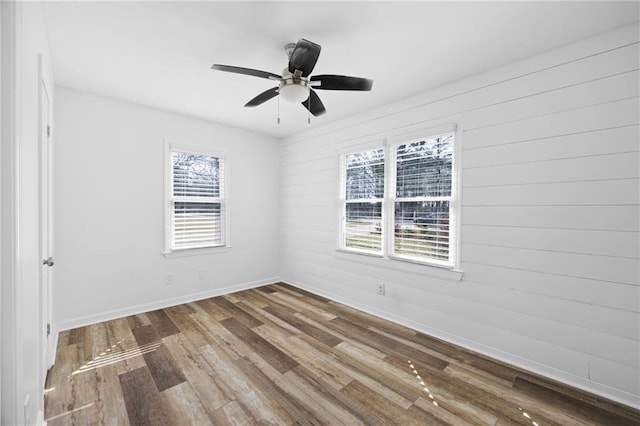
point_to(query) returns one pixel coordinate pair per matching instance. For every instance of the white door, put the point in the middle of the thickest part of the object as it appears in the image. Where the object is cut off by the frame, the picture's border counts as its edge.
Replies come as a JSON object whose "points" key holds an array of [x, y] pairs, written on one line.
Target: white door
{"points": [[45, 228]]}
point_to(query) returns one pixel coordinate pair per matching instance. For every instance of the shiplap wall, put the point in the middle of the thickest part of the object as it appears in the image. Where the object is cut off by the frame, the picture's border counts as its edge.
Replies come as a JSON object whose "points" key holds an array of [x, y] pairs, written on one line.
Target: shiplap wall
{"points": [[550, 217]]}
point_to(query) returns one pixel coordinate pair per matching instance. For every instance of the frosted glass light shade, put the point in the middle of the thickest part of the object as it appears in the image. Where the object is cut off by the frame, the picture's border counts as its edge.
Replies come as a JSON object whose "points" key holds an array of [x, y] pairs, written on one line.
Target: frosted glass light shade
{"points": [[294, 92]]}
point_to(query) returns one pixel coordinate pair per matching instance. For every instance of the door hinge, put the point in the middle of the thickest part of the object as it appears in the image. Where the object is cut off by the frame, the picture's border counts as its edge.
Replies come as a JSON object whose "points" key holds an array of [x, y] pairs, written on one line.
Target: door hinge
{"points": [[48, 329], [48, 131]]}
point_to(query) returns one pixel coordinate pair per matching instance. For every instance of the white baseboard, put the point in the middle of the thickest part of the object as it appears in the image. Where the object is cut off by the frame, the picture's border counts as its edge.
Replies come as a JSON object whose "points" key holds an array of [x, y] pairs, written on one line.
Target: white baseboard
{"points": [[152, 306], [578, 382]]}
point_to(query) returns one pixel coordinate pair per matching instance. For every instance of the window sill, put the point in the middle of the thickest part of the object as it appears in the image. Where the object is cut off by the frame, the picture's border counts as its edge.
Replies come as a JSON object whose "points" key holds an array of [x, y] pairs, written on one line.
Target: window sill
{"points": [[360, 253], [195, 252], [401, 264]]}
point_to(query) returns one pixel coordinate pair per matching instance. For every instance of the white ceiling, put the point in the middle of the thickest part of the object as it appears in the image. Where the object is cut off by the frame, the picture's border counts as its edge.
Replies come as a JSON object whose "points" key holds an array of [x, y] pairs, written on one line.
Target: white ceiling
{"points": [[160, 53]]}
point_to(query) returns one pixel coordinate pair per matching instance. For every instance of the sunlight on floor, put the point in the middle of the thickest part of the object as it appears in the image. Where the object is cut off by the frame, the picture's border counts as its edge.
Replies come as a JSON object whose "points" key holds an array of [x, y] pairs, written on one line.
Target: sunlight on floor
{"points": [[111, 356], [425, 388]]}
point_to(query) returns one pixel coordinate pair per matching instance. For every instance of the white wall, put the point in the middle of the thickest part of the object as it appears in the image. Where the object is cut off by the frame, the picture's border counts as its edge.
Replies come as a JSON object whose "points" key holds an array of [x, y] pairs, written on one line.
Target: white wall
{"points": [[550, 216], [21, 331], [109, 210]]}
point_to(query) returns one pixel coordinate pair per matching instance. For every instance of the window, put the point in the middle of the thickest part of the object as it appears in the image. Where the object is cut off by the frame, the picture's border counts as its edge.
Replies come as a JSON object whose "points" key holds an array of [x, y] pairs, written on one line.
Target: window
{"points": [[196, 200], [407, 213], [422, 198], [364, 192]]}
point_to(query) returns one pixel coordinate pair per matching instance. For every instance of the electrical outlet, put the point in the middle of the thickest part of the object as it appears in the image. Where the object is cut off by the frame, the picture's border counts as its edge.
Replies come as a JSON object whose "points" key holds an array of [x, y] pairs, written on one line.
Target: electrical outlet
{"points": [[381, 289], [168, 279]]}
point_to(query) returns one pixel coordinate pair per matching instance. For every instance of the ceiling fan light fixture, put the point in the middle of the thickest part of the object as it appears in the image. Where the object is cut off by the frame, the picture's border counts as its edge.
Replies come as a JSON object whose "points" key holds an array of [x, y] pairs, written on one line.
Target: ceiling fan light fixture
{"points": [[294, 92]]}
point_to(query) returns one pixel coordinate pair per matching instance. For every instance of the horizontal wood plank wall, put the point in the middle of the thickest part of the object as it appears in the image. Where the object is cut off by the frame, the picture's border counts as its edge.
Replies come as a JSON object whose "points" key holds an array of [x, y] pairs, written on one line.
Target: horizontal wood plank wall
{"points": [[550, 216]]}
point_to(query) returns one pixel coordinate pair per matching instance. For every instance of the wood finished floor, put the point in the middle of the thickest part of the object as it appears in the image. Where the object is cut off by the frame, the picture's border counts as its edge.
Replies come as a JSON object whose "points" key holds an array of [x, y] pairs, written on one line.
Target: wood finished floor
{"points": [[279, 355]]}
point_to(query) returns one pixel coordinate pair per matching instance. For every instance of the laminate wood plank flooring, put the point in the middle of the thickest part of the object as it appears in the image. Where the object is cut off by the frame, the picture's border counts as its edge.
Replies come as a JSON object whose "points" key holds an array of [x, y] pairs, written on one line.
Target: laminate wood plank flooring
{"points": [[283, 356]]}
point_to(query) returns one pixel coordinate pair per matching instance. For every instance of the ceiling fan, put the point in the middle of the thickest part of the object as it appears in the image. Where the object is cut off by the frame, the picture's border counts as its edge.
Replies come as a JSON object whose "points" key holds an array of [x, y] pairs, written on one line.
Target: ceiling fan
{"points": [[295, 84]]}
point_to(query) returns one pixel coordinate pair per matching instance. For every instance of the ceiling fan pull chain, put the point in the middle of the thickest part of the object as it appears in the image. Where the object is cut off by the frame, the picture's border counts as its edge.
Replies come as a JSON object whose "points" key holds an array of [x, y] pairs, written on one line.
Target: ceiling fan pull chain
{"points": [[278, 109], [309, 109]]}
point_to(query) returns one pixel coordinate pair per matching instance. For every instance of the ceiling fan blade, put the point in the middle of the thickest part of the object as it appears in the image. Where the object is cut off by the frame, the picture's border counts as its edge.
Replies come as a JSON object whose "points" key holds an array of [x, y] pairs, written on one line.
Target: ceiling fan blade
{"points": [[314, 104], [304, 57], [246, 71], [263, 97], [341, 82]]}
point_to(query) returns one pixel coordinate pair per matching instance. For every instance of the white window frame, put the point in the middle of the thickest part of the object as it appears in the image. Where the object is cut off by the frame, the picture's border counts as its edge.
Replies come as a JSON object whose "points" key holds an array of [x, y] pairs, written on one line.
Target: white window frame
{"points": [[224, 200], [390, 144], [392, 147]]}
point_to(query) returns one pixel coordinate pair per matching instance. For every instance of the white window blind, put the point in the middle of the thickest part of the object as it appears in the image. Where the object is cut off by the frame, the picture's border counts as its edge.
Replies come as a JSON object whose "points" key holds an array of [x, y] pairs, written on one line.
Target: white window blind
{"points": [[423, 198], [362, 202], [197, 201]]}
